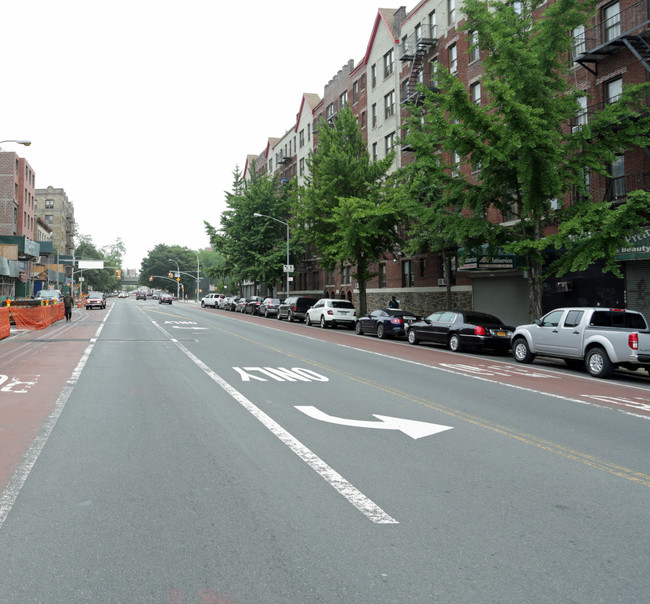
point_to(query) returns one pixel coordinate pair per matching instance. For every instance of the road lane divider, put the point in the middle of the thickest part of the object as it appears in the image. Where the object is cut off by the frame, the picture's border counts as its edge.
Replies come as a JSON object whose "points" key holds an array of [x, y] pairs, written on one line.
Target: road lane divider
{"points": [[365, 505]]}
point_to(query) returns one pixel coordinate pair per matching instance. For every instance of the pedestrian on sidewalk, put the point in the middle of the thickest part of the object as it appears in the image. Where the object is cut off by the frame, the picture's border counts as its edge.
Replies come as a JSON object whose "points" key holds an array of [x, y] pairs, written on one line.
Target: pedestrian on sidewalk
{"points": [[67, 303]]}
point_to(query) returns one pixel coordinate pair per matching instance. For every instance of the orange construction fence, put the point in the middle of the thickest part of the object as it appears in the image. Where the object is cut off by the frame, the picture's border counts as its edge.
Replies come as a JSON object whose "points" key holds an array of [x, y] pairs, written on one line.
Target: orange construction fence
{"points": [[35, 317], [5, 323]]}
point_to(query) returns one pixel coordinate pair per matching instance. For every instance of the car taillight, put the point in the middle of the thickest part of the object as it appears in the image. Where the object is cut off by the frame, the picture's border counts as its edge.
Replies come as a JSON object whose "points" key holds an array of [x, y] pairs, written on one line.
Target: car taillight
{"points": [[396, 321], [479, 330], [330, 312], [633, 341]]}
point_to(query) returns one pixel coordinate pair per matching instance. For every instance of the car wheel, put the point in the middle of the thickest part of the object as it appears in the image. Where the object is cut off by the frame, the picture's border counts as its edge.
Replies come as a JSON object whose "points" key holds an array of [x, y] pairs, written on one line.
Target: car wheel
{"points": [[454, 343], [202, 304], [266, 313], [411, 337], [521, 352], [380, 332], [598, 363], [290, 317], [307, 320], [278, 317], [357, 328], [323, 323]]}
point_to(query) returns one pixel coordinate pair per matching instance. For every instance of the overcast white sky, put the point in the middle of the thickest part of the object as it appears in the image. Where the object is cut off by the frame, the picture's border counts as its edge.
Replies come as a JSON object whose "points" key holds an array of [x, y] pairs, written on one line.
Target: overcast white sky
{"points": [[142, 109]]}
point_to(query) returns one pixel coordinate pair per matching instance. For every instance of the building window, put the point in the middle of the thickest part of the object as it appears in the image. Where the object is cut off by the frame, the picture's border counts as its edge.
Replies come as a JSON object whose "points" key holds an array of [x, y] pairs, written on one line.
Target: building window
{"points": [[582, 116], [611, 22], [389, 63], [382, 274], [433, 26], [455, 164], [374, 151], [389, 105], [475, 93], [302, 138], [579, 41], [49, 203], [362, 120], [389, 142], [373, 76], [408, 278], [49, 219], [451, 12], [343, 99], [355, 92], [434, 74], [453, 59], [308, 132], [418, 32], [373, 115], [302, 166], [616, 184], [330, 111], [474, 51], [423, 268], [613, 90]]}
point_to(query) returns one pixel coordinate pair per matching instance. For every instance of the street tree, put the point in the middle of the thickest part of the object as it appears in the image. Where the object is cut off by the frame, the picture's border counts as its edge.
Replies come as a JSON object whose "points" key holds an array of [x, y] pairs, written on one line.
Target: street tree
{"points": [[342, 212], [512, 158], [158, 269], [253, 248]]}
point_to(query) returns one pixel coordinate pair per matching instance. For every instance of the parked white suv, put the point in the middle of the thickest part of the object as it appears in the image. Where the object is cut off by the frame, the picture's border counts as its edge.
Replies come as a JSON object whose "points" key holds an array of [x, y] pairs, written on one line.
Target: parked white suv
{"points": [[212, 300], [331, 312]]}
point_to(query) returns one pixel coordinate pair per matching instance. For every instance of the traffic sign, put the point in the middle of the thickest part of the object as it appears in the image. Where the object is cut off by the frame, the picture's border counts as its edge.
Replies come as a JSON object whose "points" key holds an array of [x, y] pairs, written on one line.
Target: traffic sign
{"points": [[288, 268]]}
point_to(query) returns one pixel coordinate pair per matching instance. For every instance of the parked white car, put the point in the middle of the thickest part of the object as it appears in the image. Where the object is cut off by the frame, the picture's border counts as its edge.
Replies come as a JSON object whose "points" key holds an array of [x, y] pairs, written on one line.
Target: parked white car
{"points": [[329, 312], [212, 300]]}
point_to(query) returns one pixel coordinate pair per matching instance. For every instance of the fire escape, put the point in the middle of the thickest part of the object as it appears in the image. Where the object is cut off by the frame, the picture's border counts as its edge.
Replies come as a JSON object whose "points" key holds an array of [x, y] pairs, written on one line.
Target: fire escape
{"points": [[415, 49], [614, 32]]}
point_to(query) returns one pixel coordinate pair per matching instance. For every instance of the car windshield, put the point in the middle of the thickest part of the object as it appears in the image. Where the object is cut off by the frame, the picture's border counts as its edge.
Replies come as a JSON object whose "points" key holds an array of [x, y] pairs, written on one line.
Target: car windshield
{"points": [[479, 317], [342, 304], [95, 295], [49, 294]]}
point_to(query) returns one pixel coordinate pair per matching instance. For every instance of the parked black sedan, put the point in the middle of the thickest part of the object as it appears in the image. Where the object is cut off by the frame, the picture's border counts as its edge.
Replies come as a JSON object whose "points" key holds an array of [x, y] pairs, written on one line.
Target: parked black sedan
{"points": [[462, 329], [253, 305], [385, 322]]}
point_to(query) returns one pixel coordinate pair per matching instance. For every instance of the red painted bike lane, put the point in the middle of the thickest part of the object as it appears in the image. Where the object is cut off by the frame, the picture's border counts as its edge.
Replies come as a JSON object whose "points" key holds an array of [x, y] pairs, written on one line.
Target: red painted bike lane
{"points": [[35, 368]]}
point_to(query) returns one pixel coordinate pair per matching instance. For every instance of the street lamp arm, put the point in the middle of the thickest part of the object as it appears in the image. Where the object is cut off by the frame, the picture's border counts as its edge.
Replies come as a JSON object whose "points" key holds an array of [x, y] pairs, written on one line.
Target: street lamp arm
{"points": [[258, 215], [20, 142]]}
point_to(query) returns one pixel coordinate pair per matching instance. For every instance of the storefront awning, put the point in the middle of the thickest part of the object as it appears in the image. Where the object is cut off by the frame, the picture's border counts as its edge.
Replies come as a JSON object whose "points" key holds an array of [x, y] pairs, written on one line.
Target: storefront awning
{"points": [[480, 260]]}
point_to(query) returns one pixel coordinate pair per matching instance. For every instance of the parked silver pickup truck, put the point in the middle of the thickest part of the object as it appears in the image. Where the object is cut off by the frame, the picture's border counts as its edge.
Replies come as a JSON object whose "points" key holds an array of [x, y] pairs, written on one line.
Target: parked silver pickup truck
{"points": [[212, 300], [600, 338]]}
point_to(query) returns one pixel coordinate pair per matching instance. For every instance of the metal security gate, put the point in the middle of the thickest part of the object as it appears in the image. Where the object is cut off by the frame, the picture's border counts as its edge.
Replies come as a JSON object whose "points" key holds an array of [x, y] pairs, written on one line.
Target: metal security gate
{"points": [[505, 297], [637, 285]]}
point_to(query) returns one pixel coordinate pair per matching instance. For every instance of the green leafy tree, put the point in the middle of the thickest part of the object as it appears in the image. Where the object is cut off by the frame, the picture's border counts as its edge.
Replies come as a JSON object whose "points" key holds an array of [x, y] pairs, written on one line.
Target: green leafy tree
{"points": [[103, 280], [161, 261], [342, 211], [522, 158], [253, 248]]}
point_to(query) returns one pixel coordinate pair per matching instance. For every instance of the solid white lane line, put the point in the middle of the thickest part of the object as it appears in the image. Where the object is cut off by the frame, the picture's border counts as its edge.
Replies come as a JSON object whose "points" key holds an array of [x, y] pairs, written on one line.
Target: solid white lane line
{"points": [[365, 505]]}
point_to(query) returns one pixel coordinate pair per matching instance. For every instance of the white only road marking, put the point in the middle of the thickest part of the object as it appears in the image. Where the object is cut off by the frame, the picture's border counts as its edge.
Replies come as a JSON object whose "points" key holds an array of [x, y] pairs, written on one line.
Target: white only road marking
{"points": [[365, 505], [18, 478], [413, 428]]}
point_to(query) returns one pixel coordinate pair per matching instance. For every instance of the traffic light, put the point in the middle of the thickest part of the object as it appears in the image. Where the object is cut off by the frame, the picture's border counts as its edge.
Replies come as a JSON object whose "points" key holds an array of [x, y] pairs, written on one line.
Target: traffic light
{"points": [[118, 273], [170, 275], [150, 278]]}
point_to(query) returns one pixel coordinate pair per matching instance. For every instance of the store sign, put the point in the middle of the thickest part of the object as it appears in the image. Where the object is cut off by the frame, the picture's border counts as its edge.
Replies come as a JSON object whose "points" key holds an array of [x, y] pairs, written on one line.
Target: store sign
{"points": [[637, 247], [483, 261]]}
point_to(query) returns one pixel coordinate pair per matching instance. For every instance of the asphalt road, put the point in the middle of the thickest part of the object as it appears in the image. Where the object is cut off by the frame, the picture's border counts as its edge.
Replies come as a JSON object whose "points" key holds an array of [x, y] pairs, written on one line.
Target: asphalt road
{"points": [[200, 456]]}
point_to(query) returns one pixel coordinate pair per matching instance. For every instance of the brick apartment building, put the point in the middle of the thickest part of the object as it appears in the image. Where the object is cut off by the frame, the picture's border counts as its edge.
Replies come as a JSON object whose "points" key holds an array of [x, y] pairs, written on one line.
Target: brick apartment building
{"points": [[611, 51], [17, 225]]}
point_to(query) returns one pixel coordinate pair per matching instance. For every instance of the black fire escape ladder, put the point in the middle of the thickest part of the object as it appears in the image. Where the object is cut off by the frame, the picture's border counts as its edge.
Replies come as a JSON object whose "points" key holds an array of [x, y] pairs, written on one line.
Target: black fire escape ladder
{"points": [[640, 48]]}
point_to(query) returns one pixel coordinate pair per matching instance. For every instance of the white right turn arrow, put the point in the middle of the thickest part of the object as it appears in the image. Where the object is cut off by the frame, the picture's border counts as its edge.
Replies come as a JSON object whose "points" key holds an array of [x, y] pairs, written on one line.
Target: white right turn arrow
{"points": [[410, 427]]}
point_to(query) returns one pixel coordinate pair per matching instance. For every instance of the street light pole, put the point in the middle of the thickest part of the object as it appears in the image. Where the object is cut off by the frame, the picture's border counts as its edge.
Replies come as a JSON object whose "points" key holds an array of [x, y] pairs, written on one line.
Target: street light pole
{"points": [[178, 274], [198, 270], [258, 215]]}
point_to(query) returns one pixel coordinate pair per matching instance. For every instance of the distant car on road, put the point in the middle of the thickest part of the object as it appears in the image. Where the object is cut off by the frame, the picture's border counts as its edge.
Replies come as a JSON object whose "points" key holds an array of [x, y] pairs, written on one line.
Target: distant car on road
{"points": [[165, 298], [240, 305], [331, 313], [385, 322], [51, 295], [95, 300], [460, 330], [141, 295]]}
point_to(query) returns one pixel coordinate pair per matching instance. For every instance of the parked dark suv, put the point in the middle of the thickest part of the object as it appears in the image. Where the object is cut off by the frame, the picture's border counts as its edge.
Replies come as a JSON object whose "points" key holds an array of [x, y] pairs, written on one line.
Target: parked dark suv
{"points": [[295, 307]]}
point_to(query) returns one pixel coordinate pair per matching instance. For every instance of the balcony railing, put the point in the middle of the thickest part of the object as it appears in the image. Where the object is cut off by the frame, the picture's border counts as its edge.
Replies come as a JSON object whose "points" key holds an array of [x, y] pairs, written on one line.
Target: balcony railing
{"points": [[593, 43], [618, 188], [418, 41]]}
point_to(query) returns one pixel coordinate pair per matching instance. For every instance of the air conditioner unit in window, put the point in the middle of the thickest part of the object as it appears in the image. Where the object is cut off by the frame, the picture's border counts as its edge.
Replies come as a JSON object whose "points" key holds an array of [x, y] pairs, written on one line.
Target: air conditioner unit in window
{"points": [[575, 129], [564, 286], [442, 282]]}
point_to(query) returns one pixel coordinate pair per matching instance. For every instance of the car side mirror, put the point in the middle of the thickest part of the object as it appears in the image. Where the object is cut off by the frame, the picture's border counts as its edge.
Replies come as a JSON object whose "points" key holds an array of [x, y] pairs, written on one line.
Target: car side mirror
{"points": [[538, 322]]}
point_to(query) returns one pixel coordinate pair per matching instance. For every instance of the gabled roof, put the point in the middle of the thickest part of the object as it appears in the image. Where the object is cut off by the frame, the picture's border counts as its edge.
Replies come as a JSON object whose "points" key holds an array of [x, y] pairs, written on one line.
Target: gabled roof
{"points": [[312, 101], [385, 18]]}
